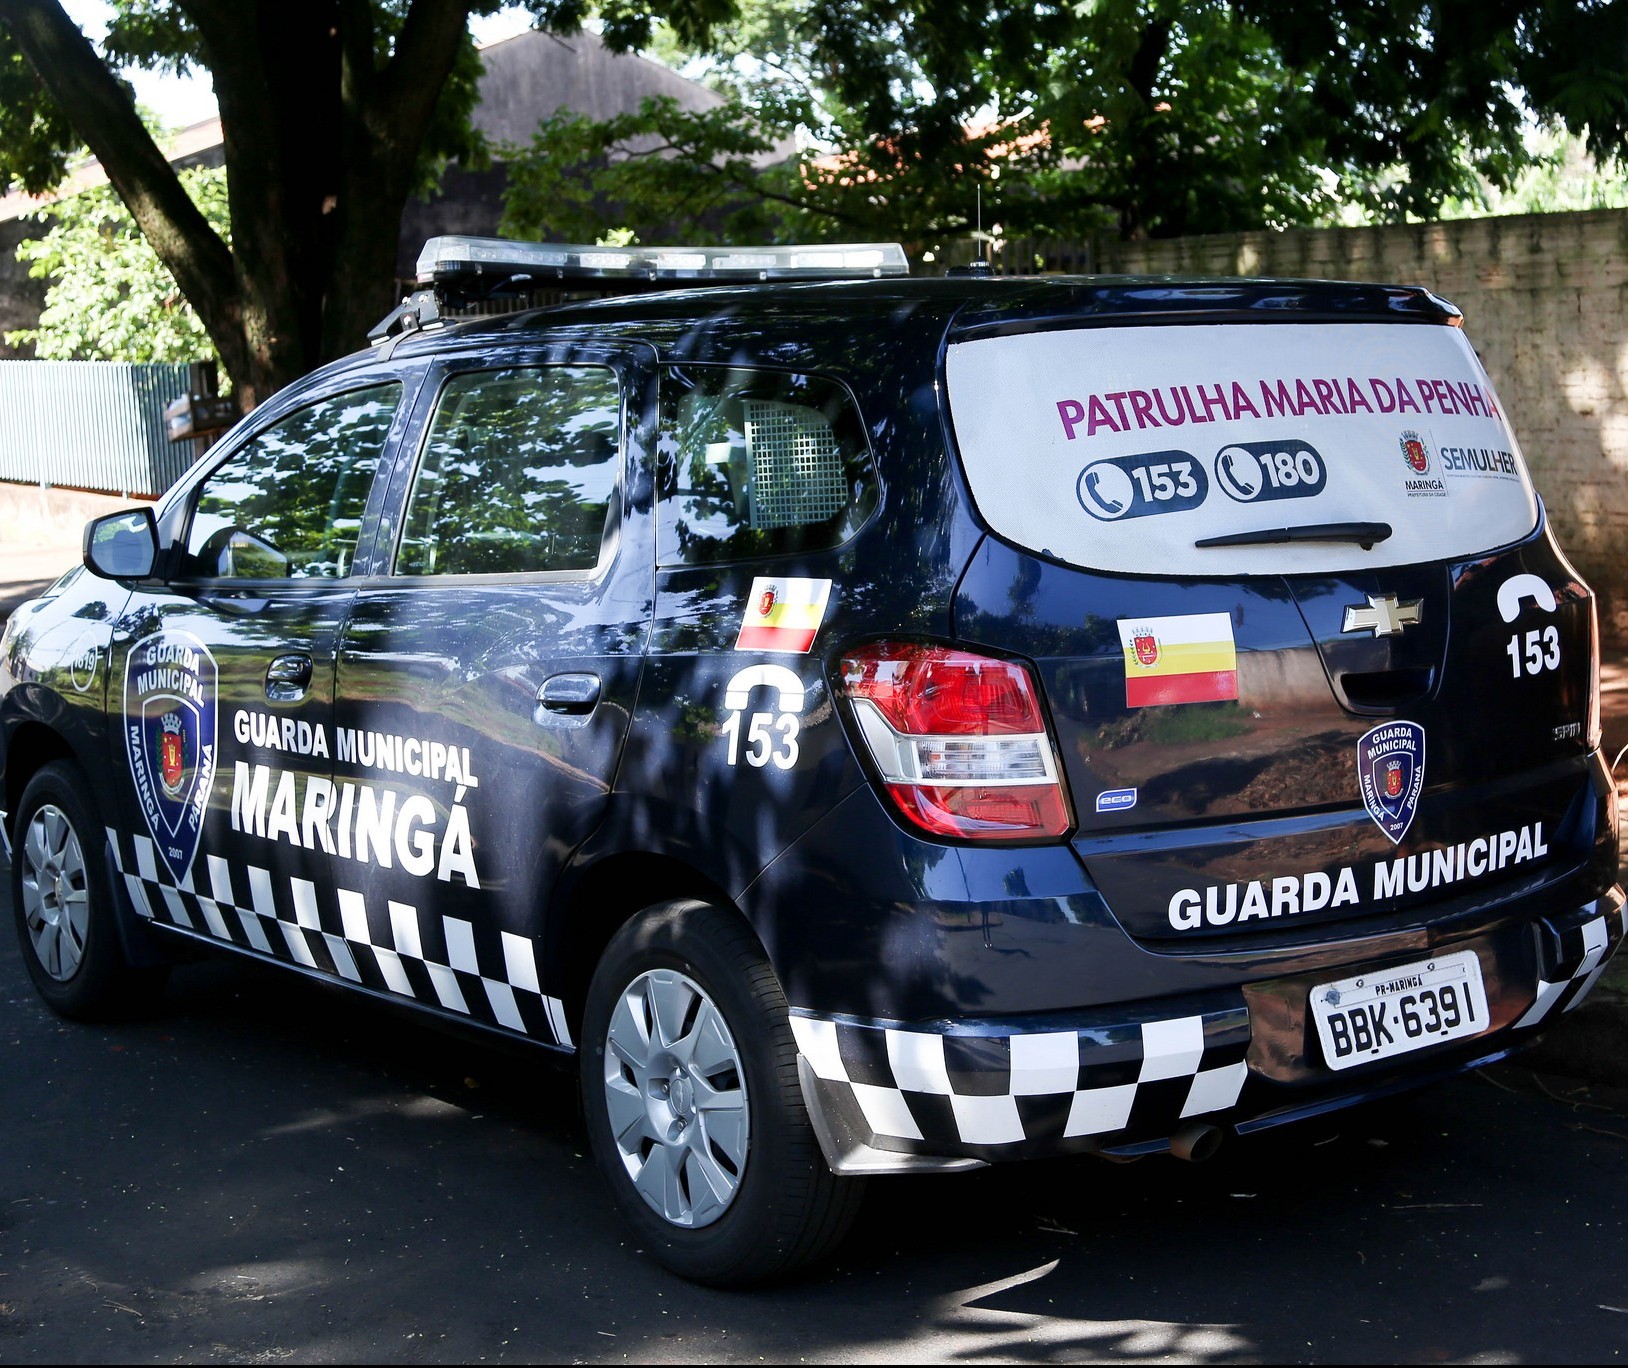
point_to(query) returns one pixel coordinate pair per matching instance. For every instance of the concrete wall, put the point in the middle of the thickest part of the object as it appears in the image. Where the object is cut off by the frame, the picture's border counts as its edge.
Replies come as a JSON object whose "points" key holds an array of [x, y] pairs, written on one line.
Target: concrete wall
{"points": [[33, 517], [1545, 299]]}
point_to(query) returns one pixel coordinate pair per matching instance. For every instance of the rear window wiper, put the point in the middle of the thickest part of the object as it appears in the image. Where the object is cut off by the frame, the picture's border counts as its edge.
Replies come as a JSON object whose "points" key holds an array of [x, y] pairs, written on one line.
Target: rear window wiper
{"points": [[1365, 534]]}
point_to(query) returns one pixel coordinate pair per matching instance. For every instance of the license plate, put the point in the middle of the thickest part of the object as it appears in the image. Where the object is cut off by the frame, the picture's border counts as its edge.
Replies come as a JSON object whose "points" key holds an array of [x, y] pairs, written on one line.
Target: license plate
{"points": [[1391, 1011]]}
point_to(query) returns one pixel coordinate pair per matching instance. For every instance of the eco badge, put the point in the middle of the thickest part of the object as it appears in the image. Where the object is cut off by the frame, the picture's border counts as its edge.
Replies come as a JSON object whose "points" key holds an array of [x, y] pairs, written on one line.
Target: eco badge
{"points": [[1390, 772], [169, 735]]}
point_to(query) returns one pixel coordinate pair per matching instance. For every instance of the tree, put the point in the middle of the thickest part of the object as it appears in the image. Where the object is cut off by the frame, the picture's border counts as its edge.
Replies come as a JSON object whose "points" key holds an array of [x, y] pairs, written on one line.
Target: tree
{"points": [[1149, 117], [1441, 93], [332, 113], [111, 298], [1562, 179]]}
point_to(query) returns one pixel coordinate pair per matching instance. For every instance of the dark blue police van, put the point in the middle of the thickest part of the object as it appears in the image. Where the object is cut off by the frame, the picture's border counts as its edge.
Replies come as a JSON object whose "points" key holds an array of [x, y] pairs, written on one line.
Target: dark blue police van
{"points": [[879, 725]]}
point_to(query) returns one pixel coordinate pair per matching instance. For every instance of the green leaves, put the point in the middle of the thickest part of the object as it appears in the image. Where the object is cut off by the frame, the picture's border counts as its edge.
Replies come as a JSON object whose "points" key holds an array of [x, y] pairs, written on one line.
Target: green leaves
{"points": [[1149, 117], [626, 25], [152, 34], [663, 165], [110, 298], [1415, 101], [36, 138]]}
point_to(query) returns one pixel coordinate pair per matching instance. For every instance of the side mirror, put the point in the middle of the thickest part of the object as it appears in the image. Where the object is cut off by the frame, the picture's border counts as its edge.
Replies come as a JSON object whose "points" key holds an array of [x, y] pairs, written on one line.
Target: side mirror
{"points": [[122, 546], [237, 553]]}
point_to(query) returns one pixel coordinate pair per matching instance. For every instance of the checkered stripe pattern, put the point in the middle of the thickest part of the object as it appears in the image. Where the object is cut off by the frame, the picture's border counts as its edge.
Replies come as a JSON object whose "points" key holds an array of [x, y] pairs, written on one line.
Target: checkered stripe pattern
{"points": [[1581, 958], [956, 1093], [398, 949]]}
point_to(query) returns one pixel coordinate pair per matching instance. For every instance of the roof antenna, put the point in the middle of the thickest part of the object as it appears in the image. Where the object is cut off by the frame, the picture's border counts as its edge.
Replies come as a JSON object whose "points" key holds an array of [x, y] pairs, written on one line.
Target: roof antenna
{"points": [[980, 268]]}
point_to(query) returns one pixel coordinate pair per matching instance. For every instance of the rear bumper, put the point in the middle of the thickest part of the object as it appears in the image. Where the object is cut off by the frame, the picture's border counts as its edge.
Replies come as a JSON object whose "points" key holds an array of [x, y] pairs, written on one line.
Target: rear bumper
{"points": [[888, 1096]]}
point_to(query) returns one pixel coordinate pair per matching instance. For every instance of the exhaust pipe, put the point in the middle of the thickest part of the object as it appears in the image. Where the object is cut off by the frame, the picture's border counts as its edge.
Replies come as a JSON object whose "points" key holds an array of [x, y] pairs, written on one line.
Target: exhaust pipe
{"points": [[1196, 1141]]}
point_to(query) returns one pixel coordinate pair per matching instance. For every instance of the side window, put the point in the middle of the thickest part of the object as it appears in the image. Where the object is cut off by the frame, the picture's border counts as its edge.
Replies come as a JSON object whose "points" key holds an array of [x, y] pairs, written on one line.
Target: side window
{"points": [[288, 503], [519, 474], [758, 463]]}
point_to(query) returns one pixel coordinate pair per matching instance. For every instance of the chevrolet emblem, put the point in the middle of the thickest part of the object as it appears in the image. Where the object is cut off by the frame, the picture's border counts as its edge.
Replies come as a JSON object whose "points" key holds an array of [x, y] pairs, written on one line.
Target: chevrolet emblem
{"points": [[1384, 614]]}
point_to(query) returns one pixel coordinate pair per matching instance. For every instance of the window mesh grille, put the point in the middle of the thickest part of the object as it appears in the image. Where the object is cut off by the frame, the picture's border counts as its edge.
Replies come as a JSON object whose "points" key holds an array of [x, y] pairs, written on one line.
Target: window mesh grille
{"points": [[797, 474]]}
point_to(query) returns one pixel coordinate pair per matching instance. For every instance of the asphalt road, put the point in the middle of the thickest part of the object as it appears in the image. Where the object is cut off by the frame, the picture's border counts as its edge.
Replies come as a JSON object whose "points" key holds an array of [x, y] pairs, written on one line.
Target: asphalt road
{"points": [[265, 1172]]}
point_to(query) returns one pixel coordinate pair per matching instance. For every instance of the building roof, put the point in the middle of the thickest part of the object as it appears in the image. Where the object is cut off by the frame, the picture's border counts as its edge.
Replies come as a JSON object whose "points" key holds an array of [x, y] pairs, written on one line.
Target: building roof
{"points": [[191, 145], [533, 75]]}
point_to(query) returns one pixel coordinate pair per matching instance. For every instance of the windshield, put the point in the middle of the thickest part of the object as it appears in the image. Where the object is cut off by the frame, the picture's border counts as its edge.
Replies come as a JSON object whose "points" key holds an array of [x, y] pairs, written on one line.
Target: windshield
{"points": [[1239, 449]]}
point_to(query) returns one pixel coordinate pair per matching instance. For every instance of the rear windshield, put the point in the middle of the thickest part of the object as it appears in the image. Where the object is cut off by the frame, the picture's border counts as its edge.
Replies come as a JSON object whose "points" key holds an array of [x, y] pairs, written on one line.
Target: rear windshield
{"points": [[1123, 449]]}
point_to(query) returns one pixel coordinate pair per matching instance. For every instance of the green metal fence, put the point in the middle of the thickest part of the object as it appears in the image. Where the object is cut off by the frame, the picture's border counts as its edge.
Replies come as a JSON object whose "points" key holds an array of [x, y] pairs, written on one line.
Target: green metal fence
{"points": [[95, 425]]}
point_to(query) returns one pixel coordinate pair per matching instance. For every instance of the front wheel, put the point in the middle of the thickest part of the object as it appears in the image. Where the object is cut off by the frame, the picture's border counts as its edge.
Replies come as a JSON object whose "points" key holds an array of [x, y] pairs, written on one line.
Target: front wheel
{"points": [[689, 1087], [63, 901]]}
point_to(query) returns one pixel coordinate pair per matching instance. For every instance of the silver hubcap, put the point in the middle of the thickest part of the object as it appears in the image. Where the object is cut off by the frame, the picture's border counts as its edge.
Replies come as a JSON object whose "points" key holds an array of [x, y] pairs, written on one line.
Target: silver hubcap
{"points": [[675, 1089], [56, 902]]}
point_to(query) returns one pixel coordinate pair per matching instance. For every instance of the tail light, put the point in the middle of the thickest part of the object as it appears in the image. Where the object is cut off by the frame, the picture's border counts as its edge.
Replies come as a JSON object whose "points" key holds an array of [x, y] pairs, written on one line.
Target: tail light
{"points": [[1595, 733], [959, 739]]}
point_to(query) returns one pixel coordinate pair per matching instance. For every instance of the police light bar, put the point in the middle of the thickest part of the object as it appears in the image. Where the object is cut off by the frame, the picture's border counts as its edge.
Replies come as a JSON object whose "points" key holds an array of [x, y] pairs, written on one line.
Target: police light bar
{"points": [[456, 259]]}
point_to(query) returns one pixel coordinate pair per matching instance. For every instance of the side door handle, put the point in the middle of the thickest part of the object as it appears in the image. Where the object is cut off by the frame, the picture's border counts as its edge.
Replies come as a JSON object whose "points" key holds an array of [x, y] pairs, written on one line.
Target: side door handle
{"points": [[287, 678], [573, 695]]}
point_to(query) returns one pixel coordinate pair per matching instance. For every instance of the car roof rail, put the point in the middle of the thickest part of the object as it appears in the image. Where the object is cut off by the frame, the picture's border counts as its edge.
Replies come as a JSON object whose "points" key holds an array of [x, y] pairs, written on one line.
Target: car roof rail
{"points": [[455, 271]]}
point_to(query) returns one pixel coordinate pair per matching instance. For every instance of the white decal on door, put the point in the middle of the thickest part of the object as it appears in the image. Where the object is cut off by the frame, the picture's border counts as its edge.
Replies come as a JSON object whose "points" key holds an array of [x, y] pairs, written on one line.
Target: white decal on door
{"points": [[768, 737]]}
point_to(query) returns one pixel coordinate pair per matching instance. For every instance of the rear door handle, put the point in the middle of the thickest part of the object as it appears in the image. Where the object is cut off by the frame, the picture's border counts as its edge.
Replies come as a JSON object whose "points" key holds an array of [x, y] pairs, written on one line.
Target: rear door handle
{"points": [[287, 678], [571, 694]]}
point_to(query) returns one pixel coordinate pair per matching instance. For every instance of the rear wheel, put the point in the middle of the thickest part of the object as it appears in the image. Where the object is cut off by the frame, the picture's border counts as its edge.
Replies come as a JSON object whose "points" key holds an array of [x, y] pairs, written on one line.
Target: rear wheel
{"points": [[63, 902], [689, 1087]]}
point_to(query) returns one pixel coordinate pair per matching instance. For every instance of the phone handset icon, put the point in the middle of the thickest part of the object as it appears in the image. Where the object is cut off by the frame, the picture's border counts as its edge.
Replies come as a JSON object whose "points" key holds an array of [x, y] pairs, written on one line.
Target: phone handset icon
{"points": [[1518, 587], [1093, 484], [1105, 491]]}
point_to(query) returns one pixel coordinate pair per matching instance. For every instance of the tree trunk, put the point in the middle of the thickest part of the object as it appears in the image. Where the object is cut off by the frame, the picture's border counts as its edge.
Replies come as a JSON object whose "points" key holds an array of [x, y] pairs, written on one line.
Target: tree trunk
{"points": [[1141, 134], [321, 141]]}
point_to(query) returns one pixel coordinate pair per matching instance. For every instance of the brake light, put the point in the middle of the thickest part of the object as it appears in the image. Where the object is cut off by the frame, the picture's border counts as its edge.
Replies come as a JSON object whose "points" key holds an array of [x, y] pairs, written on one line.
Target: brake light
{"points": [[960, 740]]}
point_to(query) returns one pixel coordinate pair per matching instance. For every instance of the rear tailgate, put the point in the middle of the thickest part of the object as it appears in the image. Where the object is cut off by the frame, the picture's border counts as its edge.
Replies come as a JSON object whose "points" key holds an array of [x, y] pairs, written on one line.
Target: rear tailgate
{"points": [[1262, 734]]}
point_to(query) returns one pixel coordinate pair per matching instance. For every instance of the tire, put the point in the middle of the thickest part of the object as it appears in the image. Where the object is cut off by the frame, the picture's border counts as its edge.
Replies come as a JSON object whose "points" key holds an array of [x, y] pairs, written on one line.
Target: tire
{"points": [[685, 1010], [62, 898]]}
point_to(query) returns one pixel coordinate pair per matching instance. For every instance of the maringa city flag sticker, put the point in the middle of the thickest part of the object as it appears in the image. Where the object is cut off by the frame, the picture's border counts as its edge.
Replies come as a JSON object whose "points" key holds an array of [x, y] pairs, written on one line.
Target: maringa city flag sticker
{"points": [[1187, 659], [783, 614]]}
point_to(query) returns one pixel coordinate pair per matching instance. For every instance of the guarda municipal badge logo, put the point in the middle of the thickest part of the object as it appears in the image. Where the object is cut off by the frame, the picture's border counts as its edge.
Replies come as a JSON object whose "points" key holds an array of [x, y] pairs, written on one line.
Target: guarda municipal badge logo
{"points": [[1390, 771], [169, 737]]}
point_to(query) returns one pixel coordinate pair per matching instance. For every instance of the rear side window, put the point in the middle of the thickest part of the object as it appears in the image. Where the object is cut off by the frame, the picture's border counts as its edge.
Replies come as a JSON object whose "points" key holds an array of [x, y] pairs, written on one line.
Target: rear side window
{"points": [[1239, 449], [518, 474], [758, 463], [288, 503]]}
